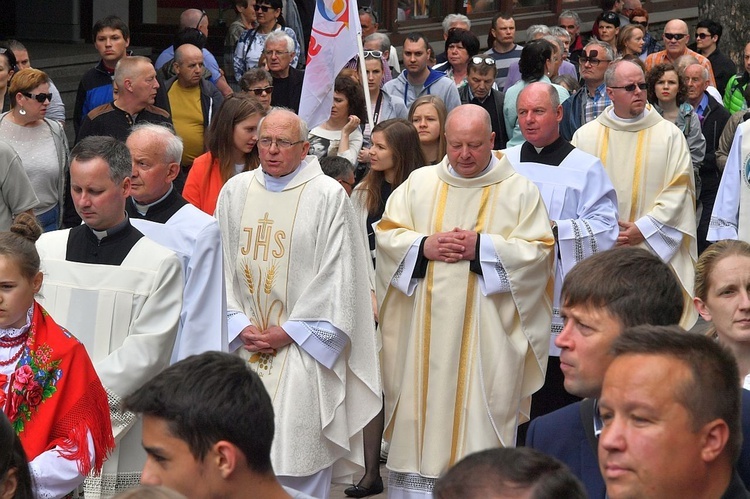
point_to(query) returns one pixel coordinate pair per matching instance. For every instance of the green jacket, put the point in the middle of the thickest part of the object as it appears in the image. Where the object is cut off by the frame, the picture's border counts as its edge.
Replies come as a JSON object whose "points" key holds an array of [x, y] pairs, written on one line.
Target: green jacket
{"points": [[734, 94]]}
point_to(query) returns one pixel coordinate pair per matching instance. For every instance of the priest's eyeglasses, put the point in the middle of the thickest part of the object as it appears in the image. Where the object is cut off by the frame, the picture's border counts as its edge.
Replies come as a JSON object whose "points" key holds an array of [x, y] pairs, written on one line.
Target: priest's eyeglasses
{"points": [[631, 87], [267, 142]]}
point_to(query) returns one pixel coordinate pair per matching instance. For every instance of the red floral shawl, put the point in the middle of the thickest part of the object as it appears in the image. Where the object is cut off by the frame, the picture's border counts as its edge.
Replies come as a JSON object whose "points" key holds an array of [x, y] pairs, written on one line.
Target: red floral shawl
{"points": [[54, 396]]}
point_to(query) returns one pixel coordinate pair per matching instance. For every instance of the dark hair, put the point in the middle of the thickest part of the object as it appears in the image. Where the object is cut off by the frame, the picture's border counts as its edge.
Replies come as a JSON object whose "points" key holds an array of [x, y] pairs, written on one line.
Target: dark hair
{"points": [[335, 166], [406, 151], [714, 28], [657, 72], [466, 38], [190, 36], [416, 36], [18, 244], [713, 392], [609, 18], [112, 22], [354, 93], [13, 457], [10, 58], [632, 284], [534, 57], [211, 397], [219, 140], [114, 152], [275, 4], [509, 471]]}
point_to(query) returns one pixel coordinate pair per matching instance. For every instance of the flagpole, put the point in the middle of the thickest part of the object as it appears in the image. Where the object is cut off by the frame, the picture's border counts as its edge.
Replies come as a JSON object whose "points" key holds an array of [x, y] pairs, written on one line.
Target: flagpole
{"points": [[363, 75]]}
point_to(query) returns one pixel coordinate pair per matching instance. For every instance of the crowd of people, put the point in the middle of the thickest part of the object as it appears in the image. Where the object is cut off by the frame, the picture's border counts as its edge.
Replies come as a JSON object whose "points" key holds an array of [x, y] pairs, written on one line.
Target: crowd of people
{"points": [[491, 279]]}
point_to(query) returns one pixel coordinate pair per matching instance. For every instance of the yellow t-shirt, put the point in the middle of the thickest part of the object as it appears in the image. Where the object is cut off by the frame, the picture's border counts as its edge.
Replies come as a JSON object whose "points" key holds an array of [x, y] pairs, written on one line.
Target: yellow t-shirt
{"points": [[187, 117]]}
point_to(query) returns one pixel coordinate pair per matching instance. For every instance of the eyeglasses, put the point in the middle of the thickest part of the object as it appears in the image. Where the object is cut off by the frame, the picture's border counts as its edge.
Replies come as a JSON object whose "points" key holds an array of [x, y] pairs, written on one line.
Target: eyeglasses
{"points": [[260, 91], [674, 36], [275, 53], [702, 35], [267, 142], [40, 98], [632, 86], [374, 54], [483, 60], [591, 60], [640, 23], [264, 8]]}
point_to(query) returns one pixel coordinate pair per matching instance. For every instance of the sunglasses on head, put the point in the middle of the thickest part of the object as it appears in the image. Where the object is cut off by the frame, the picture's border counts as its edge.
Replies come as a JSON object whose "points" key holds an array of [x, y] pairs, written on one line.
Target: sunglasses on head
{"points": [[40, 98], [261, 91], [373, 54], [674, 36], [200, 20], [483, 60], [264, 8]]}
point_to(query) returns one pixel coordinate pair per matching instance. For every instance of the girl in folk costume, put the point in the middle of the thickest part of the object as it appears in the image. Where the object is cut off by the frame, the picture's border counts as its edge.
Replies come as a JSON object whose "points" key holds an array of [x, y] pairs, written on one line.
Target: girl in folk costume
{"points": [[49, 389]]}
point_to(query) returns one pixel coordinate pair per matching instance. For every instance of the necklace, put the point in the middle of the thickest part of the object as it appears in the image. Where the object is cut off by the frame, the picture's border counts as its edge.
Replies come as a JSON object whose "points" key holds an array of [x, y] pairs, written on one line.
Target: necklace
{"points": [[13, 343]]}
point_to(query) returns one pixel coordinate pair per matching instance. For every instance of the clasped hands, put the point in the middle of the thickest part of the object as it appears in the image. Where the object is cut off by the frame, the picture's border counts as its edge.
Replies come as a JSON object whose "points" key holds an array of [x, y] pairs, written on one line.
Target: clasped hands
{"points": [[268, 341], [451, 247]]}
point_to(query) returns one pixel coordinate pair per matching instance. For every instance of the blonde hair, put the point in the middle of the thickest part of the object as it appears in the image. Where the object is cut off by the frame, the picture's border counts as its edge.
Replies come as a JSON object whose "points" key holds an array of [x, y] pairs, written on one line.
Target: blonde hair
{"points": [[706, 264]]}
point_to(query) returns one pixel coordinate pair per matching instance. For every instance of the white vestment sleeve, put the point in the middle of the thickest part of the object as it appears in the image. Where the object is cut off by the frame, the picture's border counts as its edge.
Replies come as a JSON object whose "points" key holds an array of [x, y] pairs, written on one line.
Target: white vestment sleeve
{"points": [[724, 218], [236, 322], [664, 240], [321, 339], [494, 278], [55, 476], [402, 279]]}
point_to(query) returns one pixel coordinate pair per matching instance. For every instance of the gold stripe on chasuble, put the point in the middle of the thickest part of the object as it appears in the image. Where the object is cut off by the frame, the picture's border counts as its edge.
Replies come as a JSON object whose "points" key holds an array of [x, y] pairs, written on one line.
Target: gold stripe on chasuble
{"points": [[637, 175], [427, 320], [467, 337]]}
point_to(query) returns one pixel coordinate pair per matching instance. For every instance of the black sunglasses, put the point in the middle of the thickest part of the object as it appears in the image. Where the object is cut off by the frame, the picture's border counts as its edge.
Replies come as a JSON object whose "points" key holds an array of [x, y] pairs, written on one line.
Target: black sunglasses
{"points": [[702, 35], [674, 36], [631, 87], [260, 91], [40, 98], [264, 8]]}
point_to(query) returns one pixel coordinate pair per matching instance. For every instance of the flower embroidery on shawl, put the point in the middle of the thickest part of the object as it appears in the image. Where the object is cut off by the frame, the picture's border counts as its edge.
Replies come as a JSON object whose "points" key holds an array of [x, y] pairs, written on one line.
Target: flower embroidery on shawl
{"points": [[34, 381]]}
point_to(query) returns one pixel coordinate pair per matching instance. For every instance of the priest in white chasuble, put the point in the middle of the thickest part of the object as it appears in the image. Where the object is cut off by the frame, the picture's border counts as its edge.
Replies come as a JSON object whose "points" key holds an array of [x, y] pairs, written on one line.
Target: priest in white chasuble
{"points": [[299, 307], [118, 291], [464, 284], [582, 208], [648, 161]]}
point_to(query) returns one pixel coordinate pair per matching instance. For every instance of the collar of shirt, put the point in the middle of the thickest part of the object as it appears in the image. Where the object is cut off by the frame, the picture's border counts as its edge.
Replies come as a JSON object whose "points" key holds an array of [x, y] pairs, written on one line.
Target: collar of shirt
{"points": [[277, 184], [143, 208], [702, 105], [101, 234], [471, 95], [600, 91]]}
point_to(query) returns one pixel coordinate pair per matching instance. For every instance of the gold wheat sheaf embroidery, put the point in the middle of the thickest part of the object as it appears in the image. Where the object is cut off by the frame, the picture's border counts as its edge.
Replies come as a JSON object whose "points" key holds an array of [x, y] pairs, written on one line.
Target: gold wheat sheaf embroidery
{"points": [[261, 309]]}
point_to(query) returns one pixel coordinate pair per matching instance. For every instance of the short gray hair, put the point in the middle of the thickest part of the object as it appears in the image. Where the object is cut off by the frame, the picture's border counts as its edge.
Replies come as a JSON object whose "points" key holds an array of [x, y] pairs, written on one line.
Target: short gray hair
{"points": [[606, 46], [382, 39], [129, 67], [704, 71], [255, 75], [609, 75], [558, 32], [536, 29], [455, 18], [278, 36], [168, 141], [303, 130], [570, 14], [112, 151], [556, 42]]}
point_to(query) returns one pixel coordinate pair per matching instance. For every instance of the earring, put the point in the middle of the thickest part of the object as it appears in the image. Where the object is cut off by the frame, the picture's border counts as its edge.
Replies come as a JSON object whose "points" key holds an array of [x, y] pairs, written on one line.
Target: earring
{"points": [[22, 112]]}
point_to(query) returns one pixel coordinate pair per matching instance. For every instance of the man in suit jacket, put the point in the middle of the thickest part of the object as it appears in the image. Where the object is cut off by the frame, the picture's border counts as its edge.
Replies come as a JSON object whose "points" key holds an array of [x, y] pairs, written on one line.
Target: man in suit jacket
{"points": [[601, 296]]}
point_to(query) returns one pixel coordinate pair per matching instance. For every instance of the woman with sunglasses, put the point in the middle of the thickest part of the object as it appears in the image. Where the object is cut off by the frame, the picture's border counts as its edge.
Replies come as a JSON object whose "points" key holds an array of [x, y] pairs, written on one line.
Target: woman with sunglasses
{"points": [[232, 148], [460, 46], [667, 92], [340, 134], [259, 83], [40, 143], [650, 44], [250, 46], [383, 106], [7, 68]]}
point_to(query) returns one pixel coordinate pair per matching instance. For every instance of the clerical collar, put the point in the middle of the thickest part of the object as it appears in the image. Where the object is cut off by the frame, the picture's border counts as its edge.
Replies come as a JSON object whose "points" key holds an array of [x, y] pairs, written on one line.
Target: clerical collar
{"points": [[278, 184], [101, 234], [143, 208], [614, 116], [552, 154]]}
